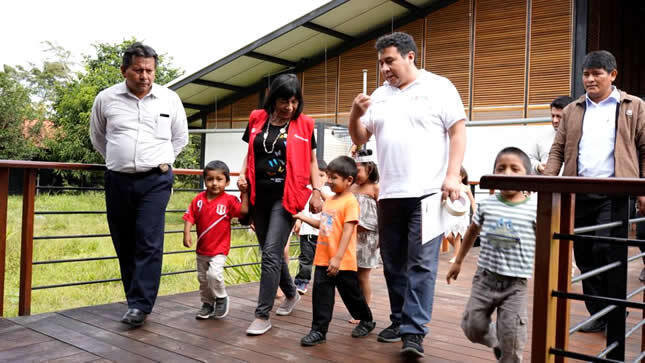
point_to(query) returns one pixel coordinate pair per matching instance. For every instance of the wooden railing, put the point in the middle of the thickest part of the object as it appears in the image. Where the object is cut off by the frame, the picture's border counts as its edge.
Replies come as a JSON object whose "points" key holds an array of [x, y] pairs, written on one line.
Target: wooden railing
{"points": [[27, 231], [556, 207]]}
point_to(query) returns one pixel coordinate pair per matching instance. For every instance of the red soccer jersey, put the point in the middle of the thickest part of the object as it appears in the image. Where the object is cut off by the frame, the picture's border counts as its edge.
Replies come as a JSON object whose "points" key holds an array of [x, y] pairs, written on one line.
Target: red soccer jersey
{"points": [[213, 221]]}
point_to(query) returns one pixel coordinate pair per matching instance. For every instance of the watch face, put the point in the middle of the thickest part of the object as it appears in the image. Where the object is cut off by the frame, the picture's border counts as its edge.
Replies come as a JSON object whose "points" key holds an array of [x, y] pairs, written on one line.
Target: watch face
{"points": [[163, 168]]}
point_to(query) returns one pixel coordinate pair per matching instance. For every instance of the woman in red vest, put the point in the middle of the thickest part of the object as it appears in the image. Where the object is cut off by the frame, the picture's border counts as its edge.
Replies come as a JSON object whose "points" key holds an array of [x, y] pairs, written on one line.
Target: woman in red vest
{"points": [[279, 164]]}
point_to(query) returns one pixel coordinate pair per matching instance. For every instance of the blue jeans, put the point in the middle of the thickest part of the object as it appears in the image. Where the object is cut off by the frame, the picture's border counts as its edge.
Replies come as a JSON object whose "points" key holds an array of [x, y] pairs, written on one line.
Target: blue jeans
{"points": [[410, 267]]}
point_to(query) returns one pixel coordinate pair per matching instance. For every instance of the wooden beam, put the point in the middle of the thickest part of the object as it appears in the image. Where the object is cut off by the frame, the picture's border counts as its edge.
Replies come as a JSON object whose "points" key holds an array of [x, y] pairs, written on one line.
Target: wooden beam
{"points": [[325, 30], [567, 219], [27, 242], [546, 260], [413, 8], [207, 83], [4, 197], [272, 59], [194, 106]]}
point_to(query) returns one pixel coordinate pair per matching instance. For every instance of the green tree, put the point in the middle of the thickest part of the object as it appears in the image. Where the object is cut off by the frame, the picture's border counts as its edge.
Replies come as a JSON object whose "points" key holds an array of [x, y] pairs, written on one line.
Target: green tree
{"points": [[15, 108], [45, 80], [74, 99]]}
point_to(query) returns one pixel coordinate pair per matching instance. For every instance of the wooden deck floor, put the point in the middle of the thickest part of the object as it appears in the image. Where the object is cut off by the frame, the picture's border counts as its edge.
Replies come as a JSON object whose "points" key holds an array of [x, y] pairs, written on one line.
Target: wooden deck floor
{"points": [[171, 332]]}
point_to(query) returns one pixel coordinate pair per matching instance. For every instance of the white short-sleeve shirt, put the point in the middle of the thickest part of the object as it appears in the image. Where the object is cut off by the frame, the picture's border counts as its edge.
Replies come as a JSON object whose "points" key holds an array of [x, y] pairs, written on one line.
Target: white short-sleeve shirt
{"points": [[411, 131]]}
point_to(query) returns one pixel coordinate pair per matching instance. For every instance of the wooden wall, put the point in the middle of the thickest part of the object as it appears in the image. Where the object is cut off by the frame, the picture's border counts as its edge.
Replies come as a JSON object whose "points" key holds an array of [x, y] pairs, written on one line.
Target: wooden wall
{"points": [[508, 62]]}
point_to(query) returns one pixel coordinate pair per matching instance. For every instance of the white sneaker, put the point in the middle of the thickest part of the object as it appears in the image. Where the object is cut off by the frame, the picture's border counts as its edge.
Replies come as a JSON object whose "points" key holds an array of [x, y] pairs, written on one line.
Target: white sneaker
{"points": [[258, 327], [287, 305]]}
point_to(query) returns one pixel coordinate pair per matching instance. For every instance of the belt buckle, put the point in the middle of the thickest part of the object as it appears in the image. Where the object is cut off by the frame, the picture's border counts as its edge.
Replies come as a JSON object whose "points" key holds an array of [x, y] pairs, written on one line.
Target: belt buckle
{"points": [[164, 168]]}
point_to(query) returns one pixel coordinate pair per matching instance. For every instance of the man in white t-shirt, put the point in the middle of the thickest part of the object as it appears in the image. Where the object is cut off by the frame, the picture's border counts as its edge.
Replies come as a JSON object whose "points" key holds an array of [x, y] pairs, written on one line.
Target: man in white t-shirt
{"points": [[418, 120]]}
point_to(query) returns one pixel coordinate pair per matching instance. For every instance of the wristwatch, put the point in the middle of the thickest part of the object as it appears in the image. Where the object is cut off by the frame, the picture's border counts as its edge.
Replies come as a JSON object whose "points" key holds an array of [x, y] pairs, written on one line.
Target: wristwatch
{"points": [[164, 168]]}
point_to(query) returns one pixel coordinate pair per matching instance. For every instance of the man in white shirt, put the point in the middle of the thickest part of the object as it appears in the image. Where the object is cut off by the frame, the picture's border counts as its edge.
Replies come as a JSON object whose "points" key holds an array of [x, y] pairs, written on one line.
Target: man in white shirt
{"points": [[139, 128], [418, 120], [539, 151], [601, 135]]}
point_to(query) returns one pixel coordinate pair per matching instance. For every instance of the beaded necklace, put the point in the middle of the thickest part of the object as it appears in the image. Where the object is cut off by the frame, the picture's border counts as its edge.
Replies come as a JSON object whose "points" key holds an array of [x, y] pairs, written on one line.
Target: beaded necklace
{"points": [[283, 129]]}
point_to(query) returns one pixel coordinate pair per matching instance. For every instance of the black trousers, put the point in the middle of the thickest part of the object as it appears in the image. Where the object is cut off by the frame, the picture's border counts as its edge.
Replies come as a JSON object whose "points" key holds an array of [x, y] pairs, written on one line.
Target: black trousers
{"points": [[591, 211], [324, 294], [306, 257], [273, 224], [136, 210]]}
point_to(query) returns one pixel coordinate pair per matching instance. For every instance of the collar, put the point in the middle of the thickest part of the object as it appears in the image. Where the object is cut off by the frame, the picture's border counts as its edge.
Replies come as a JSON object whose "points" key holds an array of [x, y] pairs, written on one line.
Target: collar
{"points": [[123, 89], [421, 76], [614, 97]]}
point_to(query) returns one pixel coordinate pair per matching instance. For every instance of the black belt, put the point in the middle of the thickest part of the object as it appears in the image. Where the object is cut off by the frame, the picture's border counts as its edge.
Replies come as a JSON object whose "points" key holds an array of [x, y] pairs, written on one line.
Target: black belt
{"points": [[161, 169]]}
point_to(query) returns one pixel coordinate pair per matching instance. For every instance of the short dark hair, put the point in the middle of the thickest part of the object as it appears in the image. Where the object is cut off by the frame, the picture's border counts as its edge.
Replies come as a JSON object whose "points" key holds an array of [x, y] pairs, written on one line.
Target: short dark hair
{"points": [[284, 86], [372, 169], [561, 102], [219, 166], [526, 162], [343, 166], [403, 42], [600, 59], [322, 165], [138, 49], [464, 175]]}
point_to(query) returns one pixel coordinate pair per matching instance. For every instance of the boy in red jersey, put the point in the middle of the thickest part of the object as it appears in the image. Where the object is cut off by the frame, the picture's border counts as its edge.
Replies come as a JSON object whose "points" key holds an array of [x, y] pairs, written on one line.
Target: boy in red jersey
{"points": [[211, 211]]}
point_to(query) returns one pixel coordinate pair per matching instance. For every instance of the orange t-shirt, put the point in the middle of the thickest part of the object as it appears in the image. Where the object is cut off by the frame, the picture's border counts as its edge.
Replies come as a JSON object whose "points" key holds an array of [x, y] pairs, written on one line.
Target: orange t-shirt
{"points": [[336, 212]]}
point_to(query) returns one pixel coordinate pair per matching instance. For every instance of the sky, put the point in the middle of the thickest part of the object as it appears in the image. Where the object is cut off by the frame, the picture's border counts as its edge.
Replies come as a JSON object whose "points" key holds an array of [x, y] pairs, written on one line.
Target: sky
{"points": [[194, 33]]}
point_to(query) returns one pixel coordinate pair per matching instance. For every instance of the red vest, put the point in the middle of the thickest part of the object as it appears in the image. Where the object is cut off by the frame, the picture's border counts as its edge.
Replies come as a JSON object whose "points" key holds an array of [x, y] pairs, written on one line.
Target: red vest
{"points": [[296, 193]]}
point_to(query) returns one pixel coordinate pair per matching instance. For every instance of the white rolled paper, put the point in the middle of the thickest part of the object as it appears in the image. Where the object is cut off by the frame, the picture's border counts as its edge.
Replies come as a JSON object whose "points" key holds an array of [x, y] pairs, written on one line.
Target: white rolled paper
{"points": [[364, 81], [459, 206]]}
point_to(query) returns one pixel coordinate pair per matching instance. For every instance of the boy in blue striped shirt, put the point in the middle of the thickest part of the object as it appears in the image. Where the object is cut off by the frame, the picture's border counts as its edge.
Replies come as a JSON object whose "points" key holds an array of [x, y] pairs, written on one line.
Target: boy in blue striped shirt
{"points": [[506, 222]]}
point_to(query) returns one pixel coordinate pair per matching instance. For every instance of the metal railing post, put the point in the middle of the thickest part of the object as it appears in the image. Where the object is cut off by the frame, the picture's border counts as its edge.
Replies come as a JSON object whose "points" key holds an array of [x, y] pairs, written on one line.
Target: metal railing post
{"points": [[546, 260], [27, 241], [564, 273], [4, 197]]}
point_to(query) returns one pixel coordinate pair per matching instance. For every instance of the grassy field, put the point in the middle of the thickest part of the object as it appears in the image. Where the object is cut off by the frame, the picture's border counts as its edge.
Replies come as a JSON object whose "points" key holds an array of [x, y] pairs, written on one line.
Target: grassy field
{"points": [[53, 299]]}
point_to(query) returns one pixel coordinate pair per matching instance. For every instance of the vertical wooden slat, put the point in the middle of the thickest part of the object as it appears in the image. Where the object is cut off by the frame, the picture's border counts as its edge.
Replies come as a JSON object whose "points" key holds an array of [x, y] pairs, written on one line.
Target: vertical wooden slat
{"points": [[546, 258], [448, 49], [500, 59], [564, 274], [4, 197], [550, 53], [27, 241]]}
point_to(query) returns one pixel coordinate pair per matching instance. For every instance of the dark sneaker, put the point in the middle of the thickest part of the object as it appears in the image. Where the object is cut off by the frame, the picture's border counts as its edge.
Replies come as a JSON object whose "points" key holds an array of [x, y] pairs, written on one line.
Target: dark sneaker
{"points": [[595, 326], [498, 353], [205, 312], [301, 287], [221, 307], [412, 345], [314, 337], [134, 317], [363, 328], [390, 334]]}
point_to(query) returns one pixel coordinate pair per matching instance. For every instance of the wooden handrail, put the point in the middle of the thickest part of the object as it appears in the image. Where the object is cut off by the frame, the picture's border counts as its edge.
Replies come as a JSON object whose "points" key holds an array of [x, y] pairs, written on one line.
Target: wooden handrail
{"points": [[24, 164], [565, 184]]}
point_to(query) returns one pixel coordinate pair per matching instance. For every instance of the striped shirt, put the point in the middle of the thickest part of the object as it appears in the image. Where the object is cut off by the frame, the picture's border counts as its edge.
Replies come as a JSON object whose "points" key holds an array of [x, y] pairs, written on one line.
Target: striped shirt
{"points": [[507, 235]]}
